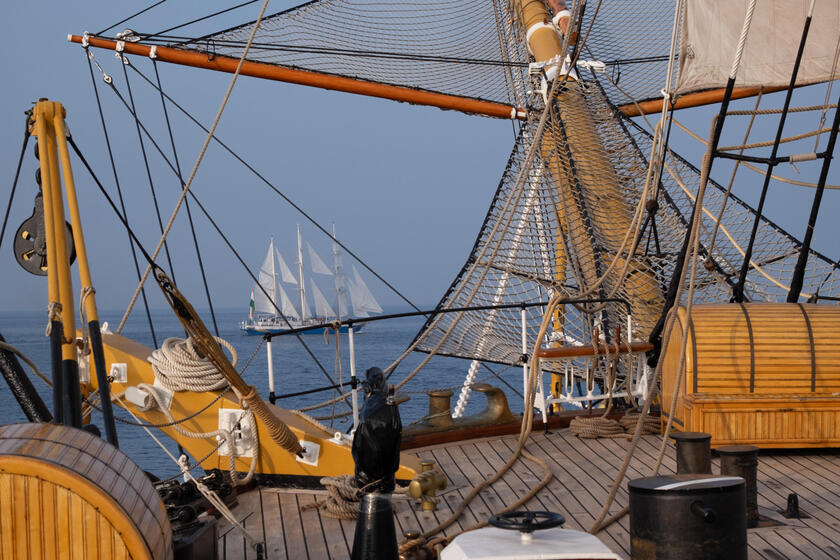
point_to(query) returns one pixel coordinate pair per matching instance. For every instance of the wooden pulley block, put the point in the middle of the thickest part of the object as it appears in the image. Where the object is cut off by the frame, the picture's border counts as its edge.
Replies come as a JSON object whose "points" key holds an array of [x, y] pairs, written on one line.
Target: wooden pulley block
{"points": [[30, 243]]}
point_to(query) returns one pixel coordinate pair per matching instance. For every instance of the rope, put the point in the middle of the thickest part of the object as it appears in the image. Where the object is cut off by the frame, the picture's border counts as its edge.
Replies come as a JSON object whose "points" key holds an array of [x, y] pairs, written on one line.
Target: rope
{"points": [[277, 191], [756, 169], [593, 427], [123, 215], [186, 202], [179, 367], [342, 500], [26, 135], [203, 210], [209, 494], [9, 348], [188, 184]]}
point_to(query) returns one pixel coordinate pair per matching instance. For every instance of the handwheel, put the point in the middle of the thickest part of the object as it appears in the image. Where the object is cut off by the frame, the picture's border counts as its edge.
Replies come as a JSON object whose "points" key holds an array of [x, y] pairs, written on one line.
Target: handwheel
{"points": [[527, 521]]}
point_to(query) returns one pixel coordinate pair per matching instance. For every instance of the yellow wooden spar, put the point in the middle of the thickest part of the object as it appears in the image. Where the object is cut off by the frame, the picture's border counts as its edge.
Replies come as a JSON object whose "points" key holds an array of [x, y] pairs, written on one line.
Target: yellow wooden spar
{"points": [[584, 151], [326, 453]]}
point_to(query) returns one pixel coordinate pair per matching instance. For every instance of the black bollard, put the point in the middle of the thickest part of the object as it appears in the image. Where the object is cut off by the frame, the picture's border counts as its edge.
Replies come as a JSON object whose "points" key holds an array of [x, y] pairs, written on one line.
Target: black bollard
{"points": [[742, 460], [694, 453], [376, 451]]}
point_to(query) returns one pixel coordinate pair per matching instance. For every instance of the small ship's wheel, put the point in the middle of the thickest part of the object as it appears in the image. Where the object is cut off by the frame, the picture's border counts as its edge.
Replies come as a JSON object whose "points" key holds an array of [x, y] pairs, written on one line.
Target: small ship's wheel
{"points": [[527, 521]]}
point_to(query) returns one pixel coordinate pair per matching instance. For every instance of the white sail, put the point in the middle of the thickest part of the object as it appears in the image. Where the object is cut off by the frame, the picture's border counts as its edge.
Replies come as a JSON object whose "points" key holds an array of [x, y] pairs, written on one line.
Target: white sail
{"points": [[340, 284], [318, 266], [322, 308], [712, 29], [285, 272], [363, 301]]}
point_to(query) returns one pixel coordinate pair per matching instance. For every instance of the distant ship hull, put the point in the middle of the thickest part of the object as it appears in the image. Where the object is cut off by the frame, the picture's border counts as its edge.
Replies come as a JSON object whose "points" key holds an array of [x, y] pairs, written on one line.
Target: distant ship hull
{"points": [[258, 329]]}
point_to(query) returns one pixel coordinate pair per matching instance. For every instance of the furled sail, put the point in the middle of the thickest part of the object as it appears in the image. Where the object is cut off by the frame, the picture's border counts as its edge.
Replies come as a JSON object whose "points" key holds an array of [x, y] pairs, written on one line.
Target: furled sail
{"points": [[711, 30]]}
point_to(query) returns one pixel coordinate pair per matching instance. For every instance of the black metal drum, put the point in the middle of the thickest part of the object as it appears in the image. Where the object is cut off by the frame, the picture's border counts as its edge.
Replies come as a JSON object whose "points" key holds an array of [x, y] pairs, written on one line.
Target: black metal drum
{"points": [[688, 517]]}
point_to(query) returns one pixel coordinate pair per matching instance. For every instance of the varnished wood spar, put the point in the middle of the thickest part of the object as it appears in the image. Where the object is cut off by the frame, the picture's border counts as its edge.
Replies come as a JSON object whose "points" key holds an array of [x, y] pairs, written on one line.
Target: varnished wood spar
{"points": [[578, 351], [315, 79], [693, 100]]}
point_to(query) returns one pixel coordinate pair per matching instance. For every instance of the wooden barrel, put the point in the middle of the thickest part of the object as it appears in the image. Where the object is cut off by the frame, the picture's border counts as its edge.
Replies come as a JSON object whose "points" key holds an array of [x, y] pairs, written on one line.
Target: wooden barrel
{"points": [[756, 349], [65, 493]]}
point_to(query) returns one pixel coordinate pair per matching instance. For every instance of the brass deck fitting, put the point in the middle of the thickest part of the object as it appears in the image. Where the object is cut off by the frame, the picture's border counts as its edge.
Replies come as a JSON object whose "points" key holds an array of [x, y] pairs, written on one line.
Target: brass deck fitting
{"points": [[426, 484]]}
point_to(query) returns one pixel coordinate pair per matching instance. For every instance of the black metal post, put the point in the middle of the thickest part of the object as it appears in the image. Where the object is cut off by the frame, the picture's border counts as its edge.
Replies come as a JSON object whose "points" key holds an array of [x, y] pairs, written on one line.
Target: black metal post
{"points": [[799, 271], [103, 382], [56, 336], [694, 453], [738, 290]]}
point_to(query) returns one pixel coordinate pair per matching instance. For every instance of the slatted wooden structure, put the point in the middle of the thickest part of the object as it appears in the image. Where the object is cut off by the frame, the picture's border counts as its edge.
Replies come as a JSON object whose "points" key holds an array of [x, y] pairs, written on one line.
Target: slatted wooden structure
{"points": [[583, 471], [65, 493], [763, 374]]}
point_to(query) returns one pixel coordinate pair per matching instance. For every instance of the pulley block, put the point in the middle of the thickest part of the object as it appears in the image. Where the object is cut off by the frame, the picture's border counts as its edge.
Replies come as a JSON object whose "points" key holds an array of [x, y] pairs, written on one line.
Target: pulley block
{"points": [[30, 244]]}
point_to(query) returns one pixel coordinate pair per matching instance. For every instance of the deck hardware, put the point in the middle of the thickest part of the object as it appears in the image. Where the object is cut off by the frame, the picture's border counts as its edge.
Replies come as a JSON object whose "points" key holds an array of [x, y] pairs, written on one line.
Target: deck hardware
{"points": [[742, 460], [694, 454], [426, 484], [118, 373]]}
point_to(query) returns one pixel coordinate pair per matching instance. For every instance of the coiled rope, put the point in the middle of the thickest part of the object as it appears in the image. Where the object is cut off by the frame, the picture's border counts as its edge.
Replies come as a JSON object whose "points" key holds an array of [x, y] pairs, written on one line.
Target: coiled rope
{"points": [[179, 367]]}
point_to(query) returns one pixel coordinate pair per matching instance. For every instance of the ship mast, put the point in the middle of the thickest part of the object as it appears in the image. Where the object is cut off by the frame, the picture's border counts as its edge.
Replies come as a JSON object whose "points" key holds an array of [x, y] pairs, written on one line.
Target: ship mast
{"points": [[302, 290]]}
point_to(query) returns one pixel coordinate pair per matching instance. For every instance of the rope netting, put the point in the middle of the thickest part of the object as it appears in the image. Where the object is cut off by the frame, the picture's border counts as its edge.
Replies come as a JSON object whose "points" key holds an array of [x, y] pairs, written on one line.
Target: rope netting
{"points": [[582, 224], [459, 47], [633, 40]]}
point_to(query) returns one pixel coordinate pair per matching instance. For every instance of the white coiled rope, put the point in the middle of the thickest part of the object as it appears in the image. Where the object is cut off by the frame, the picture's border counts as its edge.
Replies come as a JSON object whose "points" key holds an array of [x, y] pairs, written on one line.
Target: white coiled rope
{"points": [[179, 367]]}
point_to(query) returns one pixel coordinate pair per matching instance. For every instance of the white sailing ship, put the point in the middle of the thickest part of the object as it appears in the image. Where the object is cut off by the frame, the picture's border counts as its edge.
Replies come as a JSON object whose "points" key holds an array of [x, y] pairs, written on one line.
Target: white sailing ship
{"points": [[273, 311]]}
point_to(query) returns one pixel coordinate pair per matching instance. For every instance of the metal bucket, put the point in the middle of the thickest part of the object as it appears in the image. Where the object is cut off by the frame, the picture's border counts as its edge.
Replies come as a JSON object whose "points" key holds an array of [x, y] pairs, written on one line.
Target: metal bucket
{"points": [[688, 517]]}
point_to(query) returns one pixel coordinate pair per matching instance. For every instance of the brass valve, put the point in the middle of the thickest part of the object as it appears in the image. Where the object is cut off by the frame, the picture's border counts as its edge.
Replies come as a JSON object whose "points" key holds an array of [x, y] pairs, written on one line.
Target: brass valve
{"points": [[426, 484]]}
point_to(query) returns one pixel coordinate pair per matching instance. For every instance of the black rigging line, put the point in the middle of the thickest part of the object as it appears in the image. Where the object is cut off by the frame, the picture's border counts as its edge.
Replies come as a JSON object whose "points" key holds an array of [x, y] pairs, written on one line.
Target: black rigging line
{"points": [[213, 223], [149, 175], [144, 10], [280, 193], [131, 238], [220, 12], [187, 206], [738, 290], [14, 183]]}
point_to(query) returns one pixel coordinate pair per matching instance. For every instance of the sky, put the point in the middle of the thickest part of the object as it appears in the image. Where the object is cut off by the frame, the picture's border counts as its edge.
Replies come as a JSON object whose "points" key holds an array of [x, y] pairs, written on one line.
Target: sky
{"points": [[406, 187]]}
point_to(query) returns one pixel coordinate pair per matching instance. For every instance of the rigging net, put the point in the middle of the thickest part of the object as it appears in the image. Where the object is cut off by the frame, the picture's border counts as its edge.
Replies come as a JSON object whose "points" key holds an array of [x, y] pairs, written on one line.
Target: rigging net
{"points": [[557, 234], [459, 47]]}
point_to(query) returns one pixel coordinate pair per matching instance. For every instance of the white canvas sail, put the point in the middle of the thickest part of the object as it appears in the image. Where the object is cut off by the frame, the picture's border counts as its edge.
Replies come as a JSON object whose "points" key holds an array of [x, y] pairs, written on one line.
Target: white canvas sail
{"points": [[285, 272], [322, 307], [318, 266], [363, 301], [712, 28], [263, 304], [339, 281]]}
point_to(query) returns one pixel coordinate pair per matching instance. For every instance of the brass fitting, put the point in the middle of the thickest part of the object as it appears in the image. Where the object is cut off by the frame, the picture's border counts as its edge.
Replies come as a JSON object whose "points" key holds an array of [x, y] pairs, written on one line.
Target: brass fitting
{"points": [[426, 484]]}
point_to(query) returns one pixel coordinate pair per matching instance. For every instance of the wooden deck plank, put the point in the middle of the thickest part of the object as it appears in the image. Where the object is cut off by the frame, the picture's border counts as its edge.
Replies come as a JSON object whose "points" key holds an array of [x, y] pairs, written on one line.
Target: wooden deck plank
{"points": [[313, 528], [583, 472], [275, 533], [577, 481], [296, 545]]}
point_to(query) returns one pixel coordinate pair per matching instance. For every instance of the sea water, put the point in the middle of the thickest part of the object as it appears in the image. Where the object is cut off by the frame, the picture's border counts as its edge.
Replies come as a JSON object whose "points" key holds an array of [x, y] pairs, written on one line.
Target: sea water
{"points": [[379, 344]]}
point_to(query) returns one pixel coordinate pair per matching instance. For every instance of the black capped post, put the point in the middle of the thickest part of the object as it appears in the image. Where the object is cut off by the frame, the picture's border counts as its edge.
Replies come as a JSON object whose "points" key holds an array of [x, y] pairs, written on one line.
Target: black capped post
{"points": [[376, 451]]}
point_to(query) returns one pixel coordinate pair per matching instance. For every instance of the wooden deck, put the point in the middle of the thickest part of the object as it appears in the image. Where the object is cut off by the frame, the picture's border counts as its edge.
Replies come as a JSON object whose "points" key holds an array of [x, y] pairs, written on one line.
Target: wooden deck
{"points": [[583, 472]]}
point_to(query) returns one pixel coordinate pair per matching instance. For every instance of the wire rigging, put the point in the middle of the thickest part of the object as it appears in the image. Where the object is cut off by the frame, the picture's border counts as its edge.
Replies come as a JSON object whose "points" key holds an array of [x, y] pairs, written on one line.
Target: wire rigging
{"points": [[26, 135], [209, 218], [274, 188], [143, 11], [131, 238], [187, 206]]}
